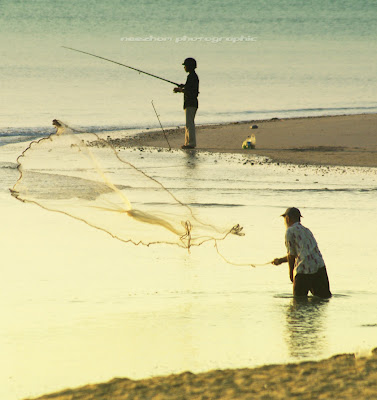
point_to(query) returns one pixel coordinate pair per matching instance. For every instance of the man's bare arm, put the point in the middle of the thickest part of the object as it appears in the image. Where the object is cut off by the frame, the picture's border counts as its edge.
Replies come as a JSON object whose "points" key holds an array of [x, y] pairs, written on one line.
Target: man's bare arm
{"points": [[291, 263]]}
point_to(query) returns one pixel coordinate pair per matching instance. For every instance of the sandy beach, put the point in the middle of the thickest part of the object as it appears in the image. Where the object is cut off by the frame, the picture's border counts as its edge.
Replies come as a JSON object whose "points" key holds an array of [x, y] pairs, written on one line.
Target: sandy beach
{"points": [[349, 140], [339, 377]]}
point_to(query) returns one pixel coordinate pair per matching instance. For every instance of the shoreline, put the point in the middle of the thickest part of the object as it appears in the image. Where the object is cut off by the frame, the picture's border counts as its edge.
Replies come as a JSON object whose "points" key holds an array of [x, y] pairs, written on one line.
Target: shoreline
{"points": [[340, 140], [342, 376]]}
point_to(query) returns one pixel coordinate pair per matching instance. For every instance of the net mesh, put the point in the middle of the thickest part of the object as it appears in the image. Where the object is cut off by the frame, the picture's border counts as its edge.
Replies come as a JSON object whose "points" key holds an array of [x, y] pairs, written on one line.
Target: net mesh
{"points": [[81, 175]]}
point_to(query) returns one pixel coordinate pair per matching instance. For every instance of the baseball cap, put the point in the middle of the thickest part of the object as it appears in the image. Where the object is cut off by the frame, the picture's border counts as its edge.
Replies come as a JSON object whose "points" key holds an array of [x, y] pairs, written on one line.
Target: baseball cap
{"points": [[190, 62], [292, 212]]}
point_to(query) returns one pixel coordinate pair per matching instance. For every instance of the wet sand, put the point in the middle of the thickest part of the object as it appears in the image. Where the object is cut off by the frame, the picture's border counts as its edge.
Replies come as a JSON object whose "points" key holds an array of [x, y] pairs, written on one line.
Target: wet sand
{"points": [[348, 140], [339, 377]]}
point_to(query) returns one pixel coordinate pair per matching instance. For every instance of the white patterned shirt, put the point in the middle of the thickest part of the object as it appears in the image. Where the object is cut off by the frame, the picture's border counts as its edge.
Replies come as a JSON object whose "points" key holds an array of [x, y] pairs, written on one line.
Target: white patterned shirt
{"points": [[301, 244]]}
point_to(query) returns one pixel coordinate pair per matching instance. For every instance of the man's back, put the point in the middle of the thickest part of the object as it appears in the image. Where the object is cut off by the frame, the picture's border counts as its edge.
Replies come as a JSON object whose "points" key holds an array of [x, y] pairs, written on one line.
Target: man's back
{"points": [[301, 243]]}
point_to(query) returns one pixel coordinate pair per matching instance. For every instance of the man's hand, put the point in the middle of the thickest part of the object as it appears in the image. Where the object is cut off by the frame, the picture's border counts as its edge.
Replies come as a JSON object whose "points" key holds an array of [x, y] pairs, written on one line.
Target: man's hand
{"points": [[278, 261], [179, 89]]}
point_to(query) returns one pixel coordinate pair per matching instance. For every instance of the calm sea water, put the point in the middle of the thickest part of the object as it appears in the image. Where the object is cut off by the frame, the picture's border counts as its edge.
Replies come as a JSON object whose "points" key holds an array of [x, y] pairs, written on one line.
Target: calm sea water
{"points": [[256, 59], [78, 306]]}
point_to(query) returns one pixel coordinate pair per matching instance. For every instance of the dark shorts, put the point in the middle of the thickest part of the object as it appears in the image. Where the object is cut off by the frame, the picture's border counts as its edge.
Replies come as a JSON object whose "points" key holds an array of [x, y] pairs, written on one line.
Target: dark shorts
{"points": [[317, 284]]}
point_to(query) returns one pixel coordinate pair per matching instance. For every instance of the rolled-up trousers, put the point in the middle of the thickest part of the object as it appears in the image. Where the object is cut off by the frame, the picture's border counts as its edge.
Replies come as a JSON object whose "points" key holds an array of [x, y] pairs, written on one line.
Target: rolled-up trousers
{"points": [[190, 137]]}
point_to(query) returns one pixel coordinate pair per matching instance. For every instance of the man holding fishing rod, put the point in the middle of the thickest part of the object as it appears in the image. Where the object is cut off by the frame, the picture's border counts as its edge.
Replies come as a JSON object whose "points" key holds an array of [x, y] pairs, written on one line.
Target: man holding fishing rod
{"points": [[190, 90], [190, 104], [307, 269]]}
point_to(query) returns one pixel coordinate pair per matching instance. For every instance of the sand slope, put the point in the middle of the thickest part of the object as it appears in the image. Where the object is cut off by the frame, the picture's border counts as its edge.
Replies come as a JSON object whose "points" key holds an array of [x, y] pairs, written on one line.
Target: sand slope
{"points": [[339, 377]]}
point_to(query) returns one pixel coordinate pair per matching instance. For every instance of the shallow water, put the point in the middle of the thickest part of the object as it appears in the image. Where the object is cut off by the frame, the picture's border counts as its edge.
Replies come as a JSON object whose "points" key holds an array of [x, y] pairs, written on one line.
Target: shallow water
{"points": [[78, 306]]}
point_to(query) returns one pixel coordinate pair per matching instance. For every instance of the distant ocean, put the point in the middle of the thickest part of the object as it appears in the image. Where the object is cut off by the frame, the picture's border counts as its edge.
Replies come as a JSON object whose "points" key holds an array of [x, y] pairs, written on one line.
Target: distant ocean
{"points": [[256, 59]]}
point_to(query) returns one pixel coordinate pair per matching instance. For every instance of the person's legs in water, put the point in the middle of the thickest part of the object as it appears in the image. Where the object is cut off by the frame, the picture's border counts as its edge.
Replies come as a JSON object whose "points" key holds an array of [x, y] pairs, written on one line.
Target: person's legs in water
{"points": [[317, 284], [301, 285], [320, 284]]}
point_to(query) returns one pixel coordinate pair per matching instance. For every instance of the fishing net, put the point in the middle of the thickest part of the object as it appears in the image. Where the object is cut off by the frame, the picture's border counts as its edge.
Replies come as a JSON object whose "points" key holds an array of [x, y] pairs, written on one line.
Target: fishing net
{"points": [[82, 176]]}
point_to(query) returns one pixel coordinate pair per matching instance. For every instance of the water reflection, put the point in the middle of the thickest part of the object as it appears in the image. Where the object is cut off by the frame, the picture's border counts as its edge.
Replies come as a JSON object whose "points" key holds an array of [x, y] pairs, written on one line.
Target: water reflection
{"points": [[306, 330], [191, 159], [190, 175]]}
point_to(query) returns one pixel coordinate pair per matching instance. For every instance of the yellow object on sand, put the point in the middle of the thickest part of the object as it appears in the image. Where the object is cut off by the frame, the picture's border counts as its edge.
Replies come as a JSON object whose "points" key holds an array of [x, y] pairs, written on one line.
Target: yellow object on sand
{"points": [[249, 143]]}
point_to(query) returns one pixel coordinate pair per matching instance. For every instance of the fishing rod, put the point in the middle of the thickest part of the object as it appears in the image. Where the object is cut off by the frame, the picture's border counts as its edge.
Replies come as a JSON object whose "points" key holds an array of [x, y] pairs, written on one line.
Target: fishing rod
{"points": [[158, 117], [123, 65]]}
